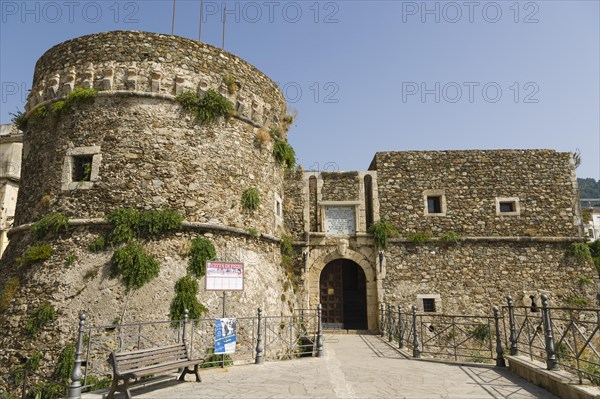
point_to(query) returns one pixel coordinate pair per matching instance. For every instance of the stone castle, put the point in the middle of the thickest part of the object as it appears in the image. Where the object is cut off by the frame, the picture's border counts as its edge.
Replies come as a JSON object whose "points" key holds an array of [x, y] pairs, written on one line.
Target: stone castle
{"points": [[474, 226]]}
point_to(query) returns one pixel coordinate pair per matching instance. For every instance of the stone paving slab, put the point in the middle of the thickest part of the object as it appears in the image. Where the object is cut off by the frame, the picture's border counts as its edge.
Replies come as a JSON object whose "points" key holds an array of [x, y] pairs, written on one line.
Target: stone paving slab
{"points": [[354, 366]]}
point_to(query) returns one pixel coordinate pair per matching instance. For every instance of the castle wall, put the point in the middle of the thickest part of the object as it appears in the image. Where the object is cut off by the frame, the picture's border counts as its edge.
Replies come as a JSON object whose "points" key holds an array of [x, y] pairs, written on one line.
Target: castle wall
{"points": [[543, 181], [472, 276]]}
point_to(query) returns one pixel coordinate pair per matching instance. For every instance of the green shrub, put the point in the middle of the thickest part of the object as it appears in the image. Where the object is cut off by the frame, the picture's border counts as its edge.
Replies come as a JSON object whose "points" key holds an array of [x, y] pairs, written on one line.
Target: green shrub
{"points": [[98, 244], [580, 251], [253, 232], [207, 108], [64, 364], [186, 297], [287, 254], [481, 332], [251, 199], [451, 237], [96, 383], [33, 363], [382, 230], [127, 223], [419, 237], [583, 281], [202, 251], [77, 96], [50, 226], [134, 266], [215, 360], [35, 254], [19, 120], [46, 390], [576, 301], [41, 317], [8, 292], [284, 154], [275, 134], [70, 259]]}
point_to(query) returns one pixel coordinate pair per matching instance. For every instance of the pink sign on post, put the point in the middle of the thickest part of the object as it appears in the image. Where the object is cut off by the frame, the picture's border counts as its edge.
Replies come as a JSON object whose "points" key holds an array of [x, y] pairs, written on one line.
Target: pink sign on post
{"points": [[224, 276]]}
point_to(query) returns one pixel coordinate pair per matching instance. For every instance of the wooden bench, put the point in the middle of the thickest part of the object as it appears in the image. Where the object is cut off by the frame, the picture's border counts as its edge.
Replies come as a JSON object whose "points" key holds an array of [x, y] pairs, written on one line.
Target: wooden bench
{"points": [[145, 362]]}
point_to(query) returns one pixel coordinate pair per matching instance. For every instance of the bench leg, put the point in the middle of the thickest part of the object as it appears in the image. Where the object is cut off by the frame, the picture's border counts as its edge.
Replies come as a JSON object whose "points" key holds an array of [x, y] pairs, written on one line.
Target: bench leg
{"points": [[126, 388], [188, 371], [113, 389]]}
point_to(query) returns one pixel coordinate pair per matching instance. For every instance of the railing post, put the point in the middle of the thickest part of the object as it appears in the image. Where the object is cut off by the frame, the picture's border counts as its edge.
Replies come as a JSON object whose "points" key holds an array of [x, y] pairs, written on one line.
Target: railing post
{"points": [[551, 362], [382, 329], [389, 322], [319, 333], [400, 332], [416, 352], [74, 391], [500, 362], [260, 358], [514, 349], [186, 315]]}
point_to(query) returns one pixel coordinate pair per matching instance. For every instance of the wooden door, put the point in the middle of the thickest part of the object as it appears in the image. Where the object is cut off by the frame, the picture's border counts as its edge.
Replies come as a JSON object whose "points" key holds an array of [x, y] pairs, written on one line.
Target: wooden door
{"points": [[331, 291]]}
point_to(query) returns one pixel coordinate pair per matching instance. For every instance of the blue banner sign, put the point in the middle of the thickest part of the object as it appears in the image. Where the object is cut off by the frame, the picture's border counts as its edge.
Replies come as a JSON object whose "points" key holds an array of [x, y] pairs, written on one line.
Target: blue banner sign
{"points": [[225, 336]]}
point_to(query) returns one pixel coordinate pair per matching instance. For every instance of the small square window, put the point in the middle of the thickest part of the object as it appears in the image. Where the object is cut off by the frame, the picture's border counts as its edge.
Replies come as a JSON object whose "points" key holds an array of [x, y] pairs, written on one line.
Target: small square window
{"points": [[82, 168], [434, 204], [507, 207], [428, 304]]}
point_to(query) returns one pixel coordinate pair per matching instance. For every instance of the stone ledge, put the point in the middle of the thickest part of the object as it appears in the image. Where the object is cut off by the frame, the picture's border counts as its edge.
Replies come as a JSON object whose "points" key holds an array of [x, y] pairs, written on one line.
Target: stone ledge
{"points": [[560, 383], [186, 225]]}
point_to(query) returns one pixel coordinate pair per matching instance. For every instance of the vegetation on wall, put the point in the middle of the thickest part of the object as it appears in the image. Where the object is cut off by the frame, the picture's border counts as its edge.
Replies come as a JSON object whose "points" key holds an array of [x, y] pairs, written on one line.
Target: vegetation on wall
{"points": [[231, 83], [595, 254], [98, 244], [287, 254], [35, 254], [419, 237], [382, 230], [186, 297], [64, 364], [579, 251], [134, 266], [50, 225], [207, 108], [19, 120], [202, 251], [41, 316], [128, 223], [8, 292], [284, 154], [251, 199], [451, 237]]}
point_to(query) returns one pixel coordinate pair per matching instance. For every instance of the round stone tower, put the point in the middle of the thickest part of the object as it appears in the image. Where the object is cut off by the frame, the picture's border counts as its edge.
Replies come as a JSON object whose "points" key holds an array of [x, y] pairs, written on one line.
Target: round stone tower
{"points": [[133, 144]]}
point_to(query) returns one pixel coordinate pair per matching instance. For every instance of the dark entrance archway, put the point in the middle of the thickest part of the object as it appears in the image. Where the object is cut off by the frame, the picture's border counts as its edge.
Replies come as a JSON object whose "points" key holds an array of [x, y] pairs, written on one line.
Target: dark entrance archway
{"points": [[343, 295]]}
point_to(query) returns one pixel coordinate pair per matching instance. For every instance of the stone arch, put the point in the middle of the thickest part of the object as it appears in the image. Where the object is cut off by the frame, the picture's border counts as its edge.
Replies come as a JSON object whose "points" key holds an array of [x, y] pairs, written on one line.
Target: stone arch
{"points": [[316, 266]]}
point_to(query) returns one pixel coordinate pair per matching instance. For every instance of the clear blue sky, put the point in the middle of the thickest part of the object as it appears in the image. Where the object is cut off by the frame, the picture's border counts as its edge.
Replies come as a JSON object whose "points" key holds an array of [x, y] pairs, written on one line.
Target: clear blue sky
{"points": [[368, 76]]}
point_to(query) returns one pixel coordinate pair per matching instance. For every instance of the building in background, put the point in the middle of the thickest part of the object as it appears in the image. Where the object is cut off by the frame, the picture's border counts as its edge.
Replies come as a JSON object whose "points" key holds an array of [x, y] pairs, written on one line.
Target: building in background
{"points": [[11, 145]]}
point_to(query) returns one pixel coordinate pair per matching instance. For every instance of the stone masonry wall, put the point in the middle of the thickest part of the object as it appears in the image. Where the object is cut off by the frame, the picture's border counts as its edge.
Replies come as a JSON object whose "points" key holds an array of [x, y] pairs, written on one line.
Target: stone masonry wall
{"points": [[85, 286], [473, 276], [543, 180], [342, 186]]}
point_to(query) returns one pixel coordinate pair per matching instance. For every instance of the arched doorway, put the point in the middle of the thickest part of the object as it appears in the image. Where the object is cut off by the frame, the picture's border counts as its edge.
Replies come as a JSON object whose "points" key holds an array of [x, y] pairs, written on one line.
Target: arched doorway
{"points": [[343, 295]]}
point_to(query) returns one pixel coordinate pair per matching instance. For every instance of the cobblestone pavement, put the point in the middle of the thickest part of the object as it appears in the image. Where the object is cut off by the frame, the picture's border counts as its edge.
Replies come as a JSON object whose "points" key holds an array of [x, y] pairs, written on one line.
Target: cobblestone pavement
{"points": [[354, 366]]}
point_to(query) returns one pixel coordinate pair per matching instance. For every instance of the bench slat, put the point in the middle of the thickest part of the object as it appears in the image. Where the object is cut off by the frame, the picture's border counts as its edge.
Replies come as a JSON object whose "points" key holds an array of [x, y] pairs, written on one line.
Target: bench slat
{"points": [[141, 352], [151, 358], [160, 368]]}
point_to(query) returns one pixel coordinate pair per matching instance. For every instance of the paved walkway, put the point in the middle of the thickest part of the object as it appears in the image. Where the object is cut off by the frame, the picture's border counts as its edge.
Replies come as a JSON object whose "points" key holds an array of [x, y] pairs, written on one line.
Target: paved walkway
{"points": [[354, 366]]}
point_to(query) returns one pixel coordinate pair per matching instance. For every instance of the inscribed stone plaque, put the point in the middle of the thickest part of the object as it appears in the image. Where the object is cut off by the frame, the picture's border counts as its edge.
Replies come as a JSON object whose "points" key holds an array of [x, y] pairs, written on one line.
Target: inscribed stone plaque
{"points": [[339, 220]]}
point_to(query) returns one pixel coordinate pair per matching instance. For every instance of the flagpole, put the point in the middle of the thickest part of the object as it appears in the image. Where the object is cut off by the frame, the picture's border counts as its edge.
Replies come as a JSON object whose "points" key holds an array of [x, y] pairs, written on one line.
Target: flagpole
{"points": [[173, 19], [200, 28], [224, 21]]}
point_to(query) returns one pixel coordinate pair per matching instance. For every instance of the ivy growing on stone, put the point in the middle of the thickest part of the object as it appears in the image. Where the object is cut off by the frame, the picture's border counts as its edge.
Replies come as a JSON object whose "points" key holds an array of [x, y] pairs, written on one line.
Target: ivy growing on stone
{"points": [[251, 199], [186, 297], [77, 96], [8, 292], [64, 364], [580, 251], [19, 120], [382, 230], [287, 253], [134, 266], [98, 244], [128, 223], [50, 225], [419, 237], [284, 154], [206, 108], [35, 254], [41, 316], [202, 251]]}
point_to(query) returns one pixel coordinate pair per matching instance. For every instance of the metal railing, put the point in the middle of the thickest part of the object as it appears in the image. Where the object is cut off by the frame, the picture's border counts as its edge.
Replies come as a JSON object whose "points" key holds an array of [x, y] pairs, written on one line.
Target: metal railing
{"points": [[257, 338], [567, 338], [457, 337]]}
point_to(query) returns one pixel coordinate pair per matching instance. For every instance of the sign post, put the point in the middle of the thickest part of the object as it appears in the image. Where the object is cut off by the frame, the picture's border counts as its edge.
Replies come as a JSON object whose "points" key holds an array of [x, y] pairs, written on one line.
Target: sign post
{"points": [[224, 276]]}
